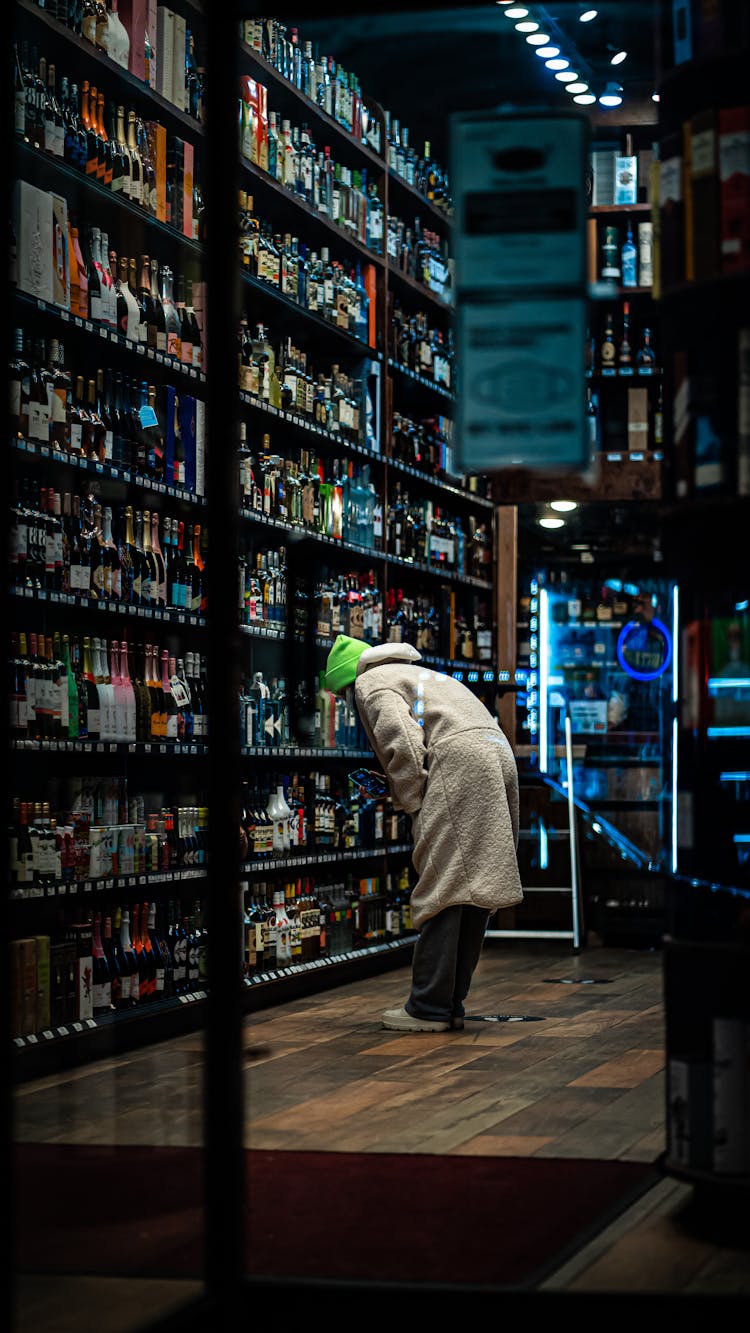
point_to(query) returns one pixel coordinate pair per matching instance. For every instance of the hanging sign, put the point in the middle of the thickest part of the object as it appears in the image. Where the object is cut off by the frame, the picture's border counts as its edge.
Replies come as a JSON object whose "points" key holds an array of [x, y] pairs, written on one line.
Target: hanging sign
{"points": [[521, 299]]}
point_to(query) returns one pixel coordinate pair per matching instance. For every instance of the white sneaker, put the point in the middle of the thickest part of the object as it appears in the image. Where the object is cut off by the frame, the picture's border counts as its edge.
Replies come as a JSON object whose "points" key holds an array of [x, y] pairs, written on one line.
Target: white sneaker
{"points": [[398, 1020]]}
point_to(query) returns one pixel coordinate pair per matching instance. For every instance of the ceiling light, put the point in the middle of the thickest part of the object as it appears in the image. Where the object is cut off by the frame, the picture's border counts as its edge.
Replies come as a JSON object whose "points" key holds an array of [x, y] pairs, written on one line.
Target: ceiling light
{"points": [[546, 51], [537, 38], [584, 99], [563, 506], [517, 12], [618, 57], [558, 63], [654, 96], [577, 87], [566, 76], [551, 522], [526, 25], [587, 15], [612, 95]]}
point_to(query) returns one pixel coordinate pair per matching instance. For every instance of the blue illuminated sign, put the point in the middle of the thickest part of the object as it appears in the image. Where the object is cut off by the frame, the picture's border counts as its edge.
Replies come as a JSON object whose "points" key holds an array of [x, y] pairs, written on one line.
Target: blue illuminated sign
{"points": [[644, 651]]}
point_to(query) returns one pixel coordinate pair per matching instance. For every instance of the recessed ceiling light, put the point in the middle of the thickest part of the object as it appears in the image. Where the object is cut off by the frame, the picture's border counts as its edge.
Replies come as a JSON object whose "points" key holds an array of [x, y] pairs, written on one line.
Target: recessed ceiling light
{"points": [[551, 522], [587, 15], [618, 57], [563, 506], [517, 12], [566, 76], [577, 87], [526, 25], [558, 63], [654, 97], [537, 38], [546, 51], [584, 99], [612, 95]]}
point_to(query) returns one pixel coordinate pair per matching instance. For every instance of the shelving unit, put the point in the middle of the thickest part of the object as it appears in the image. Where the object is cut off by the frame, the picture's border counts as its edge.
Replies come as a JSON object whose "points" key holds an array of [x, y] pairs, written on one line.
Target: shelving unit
{"points": [[156, 763]]}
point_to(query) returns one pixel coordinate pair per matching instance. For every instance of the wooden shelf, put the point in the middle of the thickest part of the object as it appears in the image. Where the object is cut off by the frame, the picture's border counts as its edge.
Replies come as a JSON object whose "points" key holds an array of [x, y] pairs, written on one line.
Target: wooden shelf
{"points": [[596, 210]]}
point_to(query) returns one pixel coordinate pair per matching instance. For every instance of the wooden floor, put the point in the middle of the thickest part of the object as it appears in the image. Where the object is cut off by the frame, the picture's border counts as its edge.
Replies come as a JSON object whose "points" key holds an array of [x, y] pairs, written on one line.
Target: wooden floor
{"points": [[587, 1081]]}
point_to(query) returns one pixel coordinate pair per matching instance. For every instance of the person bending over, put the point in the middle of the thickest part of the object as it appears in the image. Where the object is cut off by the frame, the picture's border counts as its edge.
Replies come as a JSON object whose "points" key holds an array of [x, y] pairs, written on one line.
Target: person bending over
{"points": [[451, 768]]}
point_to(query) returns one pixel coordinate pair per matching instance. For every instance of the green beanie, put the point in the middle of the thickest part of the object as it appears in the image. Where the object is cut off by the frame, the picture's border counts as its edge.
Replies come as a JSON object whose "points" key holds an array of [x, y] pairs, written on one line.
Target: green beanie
{"points": [[341, 667]]}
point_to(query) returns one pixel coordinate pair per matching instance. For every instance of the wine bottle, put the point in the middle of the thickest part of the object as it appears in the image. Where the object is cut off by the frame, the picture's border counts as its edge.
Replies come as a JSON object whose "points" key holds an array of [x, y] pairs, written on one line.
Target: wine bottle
{"points": [[102, 980]]}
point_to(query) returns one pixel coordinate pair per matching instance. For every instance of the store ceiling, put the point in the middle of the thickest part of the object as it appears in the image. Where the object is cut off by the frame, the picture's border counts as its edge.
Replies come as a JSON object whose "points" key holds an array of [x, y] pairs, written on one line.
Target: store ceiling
{"points": [[427, 61]]}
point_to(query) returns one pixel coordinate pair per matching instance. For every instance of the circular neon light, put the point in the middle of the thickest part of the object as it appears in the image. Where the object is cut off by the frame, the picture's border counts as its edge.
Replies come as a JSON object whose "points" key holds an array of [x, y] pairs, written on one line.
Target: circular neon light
{"points": [[622, 643]]}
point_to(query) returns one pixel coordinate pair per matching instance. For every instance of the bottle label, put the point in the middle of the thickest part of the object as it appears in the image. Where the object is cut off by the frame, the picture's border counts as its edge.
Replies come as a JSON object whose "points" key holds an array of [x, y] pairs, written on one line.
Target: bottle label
{"points": [[174, 345], [95, 307], [102, 995], [94, 721], [159, 979], [135, 987]]}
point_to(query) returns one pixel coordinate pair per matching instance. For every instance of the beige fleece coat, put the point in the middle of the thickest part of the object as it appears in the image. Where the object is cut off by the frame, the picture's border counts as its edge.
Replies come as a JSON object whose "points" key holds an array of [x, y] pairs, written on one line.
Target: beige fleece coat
{"points": [[452, 769]]}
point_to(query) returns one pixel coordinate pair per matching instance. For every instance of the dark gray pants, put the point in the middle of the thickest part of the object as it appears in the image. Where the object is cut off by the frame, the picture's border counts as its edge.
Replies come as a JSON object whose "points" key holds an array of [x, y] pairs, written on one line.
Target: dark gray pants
{"points": [[445, 956]]}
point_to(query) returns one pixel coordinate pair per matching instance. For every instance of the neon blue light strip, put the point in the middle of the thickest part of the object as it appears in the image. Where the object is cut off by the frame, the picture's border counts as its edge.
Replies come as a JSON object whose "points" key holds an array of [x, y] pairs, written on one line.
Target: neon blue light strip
{"points": [[734, 777], [728, 683], [741, 837], [675, 728], [543, 677], [543, 846], [714, 733]]}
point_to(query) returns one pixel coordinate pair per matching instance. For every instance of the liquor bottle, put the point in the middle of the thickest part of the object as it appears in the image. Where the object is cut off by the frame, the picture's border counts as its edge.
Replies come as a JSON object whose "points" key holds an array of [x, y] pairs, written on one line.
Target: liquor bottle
{"points": [[607, 350], [611, 255], [102, 981], [113, 963], [629, 277], [625, 355], [129, 963], [155, 946], [646, 355], [160, 595], [173, 328]]}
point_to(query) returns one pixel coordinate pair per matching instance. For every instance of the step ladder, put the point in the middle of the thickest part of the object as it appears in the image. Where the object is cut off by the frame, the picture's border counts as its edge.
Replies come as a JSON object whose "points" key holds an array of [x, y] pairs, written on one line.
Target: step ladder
{"points": [[557, 797]]}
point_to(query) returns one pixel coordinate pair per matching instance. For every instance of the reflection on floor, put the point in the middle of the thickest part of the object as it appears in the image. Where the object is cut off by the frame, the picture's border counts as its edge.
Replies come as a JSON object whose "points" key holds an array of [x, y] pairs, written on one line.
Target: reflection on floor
{"points": [[321, 1074]]}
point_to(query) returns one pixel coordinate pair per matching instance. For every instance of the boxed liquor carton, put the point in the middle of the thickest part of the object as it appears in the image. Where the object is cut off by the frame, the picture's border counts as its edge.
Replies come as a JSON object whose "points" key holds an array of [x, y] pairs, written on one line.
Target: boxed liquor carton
{"points": [[683, 432], [134, 15], [32, 219], [704, 182], [603, 166], [81, 936], [187, 188], [151, 28], [23, 986], [638, 419], [187, 423], [645, 254], [42, 943], [60, 250], [743, 411], [734, 172], [626, 179], [687, 211], [175, 177], [178, 62], [160, 169], [262, 127], [200, 447], [62, 962], [165, 22], [671, 210]]}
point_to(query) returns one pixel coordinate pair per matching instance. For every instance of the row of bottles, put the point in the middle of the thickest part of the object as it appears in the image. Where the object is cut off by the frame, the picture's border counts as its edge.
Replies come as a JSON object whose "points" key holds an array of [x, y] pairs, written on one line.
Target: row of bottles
{"points": [[297, 921], [314, 812], [421, 348], [321, 78], [107, 142], [265, 717], [96, 962], [420, 530], [621, 351], [289, 154], [422, 255], [426, 444], [326, 288], [626, 260], [99, 834], [331, 496], [423, 173], [80, 546], [100, 24], [336, 401], [63, 688], [109, 418], [344, 603], [465, 635]]}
